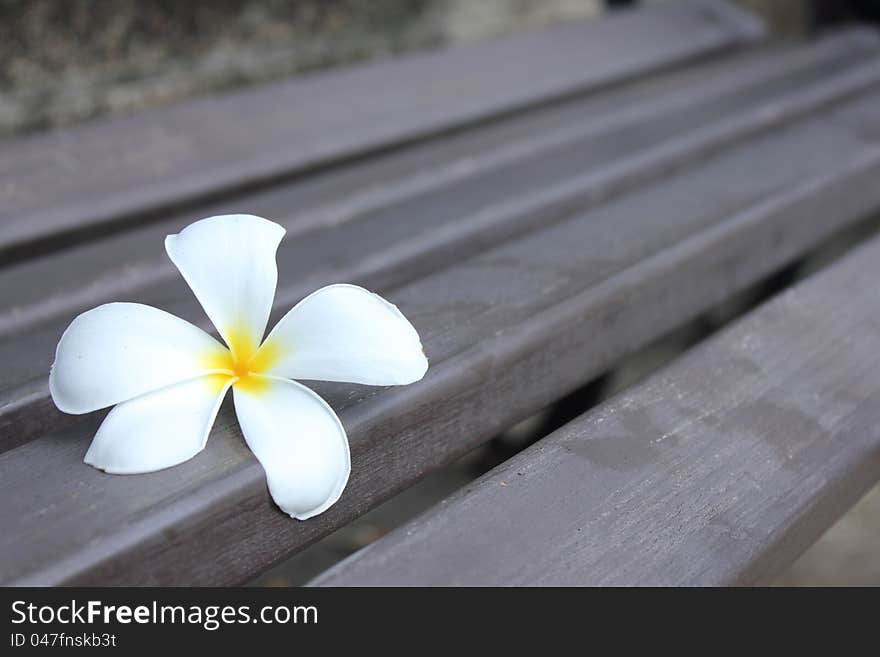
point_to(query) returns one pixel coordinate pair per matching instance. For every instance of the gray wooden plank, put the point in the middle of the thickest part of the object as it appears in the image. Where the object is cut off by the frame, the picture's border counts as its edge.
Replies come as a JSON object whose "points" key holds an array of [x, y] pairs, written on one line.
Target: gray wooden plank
{"points": [[389, 232], [720, 469], [507, 332], [68, 183]]}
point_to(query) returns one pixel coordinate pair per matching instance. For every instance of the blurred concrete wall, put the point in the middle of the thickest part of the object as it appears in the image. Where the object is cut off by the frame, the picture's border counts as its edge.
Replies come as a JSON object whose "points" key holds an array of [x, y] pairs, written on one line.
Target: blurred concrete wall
{"points": [[62, 62]]}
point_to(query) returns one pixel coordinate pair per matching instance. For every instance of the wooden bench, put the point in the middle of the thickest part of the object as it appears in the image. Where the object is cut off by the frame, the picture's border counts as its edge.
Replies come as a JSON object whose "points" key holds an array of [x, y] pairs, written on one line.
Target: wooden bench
{"points": [[539, 206], [720, 469]]}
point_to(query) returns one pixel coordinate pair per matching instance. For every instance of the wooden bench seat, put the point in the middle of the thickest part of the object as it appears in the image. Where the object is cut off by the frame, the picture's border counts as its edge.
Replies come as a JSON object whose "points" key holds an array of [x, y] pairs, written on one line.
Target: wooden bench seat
{"points": [[531, 248], [402, 215], [720, 469]]}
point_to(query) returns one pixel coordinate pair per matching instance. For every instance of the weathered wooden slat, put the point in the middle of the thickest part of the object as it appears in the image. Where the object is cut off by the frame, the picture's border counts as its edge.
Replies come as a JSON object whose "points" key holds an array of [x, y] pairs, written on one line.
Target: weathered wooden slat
{"points": [[384, 234], [69, 183], [720, 469], [507, 332]]}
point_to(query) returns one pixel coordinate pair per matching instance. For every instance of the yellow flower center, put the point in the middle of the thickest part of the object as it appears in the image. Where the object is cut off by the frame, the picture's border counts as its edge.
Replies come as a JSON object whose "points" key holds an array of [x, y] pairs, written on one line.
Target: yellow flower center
{"points": [[244, 361]]}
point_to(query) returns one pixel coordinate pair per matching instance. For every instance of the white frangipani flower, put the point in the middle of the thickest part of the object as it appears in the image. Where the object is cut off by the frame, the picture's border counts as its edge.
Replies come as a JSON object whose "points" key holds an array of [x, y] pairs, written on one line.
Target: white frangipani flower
{"points": [[168, 377]]}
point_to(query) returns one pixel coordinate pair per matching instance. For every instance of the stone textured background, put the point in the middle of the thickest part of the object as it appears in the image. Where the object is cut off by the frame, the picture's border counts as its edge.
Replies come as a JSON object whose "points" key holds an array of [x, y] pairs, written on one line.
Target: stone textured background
{"points": [[62, 62]]}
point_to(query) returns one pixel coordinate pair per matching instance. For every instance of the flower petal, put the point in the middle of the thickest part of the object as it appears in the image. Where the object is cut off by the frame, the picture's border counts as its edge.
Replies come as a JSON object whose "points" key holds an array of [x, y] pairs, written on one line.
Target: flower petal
{"points": [[345, 333], [298, 439], [119, 351], [159, 429], [229, 262]]}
